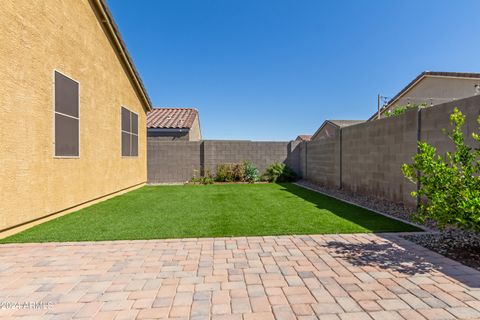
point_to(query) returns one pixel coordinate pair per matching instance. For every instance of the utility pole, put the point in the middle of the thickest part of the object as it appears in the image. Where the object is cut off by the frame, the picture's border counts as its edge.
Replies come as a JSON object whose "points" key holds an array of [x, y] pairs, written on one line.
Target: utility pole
{"points": [[379, 104], [379, 97]]}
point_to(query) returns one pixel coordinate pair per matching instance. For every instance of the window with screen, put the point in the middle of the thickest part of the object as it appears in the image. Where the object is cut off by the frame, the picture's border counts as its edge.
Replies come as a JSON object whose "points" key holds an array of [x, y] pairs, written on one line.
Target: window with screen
{"points": [[129, 133], [67, 117]]}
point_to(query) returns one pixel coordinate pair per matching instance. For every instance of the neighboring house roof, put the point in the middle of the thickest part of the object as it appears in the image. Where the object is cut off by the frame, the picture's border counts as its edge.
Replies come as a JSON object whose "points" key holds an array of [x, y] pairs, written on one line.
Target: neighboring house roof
{"points": [[106, 18], [171, 118], [338, 124], [304, 137], [420, 77], [344, 123]]}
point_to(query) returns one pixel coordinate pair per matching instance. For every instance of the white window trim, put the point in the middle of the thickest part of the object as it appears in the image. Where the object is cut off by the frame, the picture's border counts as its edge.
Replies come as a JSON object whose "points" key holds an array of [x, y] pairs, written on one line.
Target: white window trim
{"points": [[66, 115], [131, 133]]}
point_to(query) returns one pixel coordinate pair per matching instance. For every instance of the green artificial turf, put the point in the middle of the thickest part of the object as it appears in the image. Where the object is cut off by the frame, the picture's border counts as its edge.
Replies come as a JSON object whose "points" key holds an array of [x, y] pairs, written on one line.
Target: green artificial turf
{"points": [[156, 212]]}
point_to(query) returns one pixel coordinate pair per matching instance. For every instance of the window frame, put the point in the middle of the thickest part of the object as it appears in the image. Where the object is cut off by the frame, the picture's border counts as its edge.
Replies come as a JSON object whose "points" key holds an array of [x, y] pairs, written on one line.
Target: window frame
{"points": [[130, 133], [55, 156]]}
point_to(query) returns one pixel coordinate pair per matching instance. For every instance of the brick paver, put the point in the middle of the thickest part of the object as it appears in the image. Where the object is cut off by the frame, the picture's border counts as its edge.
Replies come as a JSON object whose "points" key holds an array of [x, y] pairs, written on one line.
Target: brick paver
{"points": [[356, 276]]}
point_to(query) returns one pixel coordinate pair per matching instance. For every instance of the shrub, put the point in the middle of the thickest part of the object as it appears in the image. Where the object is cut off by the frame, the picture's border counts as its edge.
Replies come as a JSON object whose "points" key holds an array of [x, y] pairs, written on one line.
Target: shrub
{"points": [[402, 109], [207, 178], [273, 171], [194, 177], [224, 173], [449, 186], [230, 172], [251, 172], [238, 171], [279, 172]]}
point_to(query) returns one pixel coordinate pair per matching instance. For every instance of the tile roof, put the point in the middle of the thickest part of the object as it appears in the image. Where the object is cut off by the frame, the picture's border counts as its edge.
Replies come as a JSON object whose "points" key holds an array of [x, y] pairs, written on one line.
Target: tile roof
{"points": [[304, 137], [171, 118]]}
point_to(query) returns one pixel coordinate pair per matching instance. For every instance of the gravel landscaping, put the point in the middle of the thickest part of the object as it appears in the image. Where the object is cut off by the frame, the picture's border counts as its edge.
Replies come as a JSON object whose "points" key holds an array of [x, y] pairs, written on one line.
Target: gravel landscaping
{"points": [[390, 208], [456, 244]]}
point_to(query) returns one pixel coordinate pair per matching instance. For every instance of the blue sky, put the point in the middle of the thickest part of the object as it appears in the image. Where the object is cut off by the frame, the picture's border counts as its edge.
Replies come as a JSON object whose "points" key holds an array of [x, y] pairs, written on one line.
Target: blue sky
{"points": [[273, 69]]}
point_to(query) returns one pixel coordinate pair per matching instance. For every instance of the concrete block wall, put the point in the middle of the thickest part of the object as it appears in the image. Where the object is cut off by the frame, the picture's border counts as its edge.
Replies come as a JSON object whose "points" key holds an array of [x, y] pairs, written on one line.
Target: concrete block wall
{"points": [[172, 161], [373, 154], [434, 120], [293, 156], [261, 154], [364, 159], [323, 161], [302, 158], [175, 161], [367, 158]]}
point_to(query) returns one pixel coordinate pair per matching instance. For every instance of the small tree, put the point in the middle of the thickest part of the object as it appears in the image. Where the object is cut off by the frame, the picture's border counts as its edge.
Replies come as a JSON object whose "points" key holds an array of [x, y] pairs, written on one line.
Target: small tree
{"points": [[449, 186]]}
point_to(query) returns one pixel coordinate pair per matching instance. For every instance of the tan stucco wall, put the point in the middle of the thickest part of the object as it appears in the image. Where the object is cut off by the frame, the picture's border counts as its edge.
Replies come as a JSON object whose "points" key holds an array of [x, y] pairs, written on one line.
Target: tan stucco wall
{"points": [[36, 38], [437, 90], [194, 133]]}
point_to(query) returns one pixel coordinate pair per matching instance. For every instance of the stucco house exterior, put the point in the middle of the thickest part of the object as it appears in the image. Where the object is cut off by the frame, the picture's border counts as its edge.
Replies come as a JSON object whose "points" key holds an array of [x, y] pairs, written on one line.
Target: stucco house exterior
{"points": [[331, 128], [73, 110], [170, 124], [432, 88]]}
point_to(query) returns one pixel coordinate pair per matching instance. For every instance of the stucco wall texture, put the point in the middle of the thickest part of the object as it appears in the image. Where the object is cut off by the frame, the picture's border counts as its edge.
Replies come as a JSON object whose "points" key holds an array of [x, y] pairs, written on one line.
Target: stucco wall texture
{"points": [[437, 90], [195, 134], [37, 38]]}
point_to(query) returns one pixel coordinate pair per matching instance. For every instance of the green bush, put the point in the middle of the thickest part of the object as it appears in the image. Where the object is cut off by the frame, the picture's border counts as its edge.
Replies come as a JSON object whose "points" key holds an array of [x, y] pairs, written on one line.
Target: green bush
{"points": [[251, 172], [207, 178], [194, 178], [279, 172], [449, 185], [402, 109]]}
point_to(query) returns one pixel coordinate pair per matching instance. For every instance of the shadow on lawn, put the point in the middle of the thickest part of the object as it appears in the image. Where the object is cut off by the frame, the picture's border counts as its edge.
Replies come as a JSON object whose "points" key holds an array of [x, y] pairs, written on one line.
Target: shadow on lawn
{"points": [[362, 217], [395, 254]]}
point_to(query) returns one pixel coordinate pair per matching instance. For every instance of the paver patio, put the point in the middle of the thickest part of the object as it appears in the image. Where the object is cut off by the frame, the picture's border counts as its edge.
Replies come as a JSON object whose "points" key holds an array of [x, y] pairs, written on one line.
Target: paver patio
{"points": [[357, 276]]}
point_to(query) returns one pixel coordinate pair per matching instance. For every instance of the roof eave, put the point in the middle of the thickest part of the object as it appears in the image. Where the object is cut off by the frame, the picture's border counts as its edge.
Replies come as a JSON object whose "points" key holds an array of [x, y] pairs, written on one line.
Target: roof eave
{"points": [[107, 20], [320, 129], [420, 77], [168, 129]]}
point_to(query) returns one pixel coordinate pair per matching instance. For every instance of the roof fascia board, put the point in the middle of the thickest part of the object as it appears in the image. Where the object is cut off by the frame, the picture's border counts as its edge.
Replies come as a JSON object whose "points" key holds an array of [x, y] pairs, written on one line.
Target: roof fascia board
{"points": [[413, 85], [425, 75], [451, 77], [321, 127], [107, 21], [168, 129]]}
